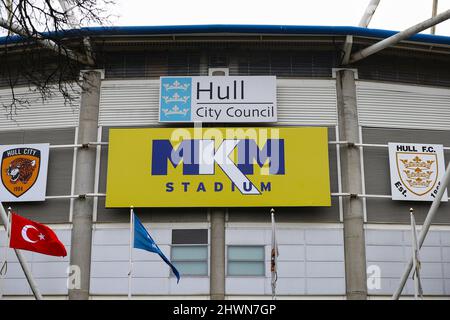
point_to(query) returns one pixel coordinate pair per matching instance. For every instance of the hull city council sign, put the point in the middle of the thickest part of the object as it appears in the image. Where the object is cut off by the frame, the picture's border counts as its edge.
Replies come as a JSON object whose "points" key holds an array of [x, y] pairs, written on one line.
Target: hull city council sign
{"points": [[218, 167], [23, 172], [416, 171], [218, 99]]}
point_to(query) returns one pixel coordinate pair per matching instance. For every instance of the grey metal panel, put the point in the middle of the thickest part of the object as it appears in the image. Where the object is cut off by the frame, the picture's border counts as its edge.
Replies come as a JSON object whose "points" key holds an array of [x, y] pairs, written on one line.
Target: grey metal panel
{"points": [[403, 106], [190, 236], [136, 102], [377, 176], [307, 102], [52, 113], [390, 250], [129, 102], [59, 174]]}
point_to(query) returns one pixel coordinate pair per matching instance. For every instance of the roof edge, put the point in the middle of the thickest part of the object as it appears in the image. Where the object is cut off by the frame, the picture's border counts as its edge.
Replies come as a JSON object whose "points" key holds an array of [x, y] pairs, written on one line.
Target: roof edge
{"points": [[237, 29]]}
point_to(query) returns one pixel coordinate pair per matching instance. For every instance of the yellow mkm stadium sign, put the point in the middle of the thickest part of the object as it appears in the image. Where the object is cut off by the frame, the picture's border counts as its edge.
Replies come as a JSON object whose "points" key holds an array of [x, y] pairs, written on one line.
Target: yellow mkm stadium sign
{"points": [[218, 167]]}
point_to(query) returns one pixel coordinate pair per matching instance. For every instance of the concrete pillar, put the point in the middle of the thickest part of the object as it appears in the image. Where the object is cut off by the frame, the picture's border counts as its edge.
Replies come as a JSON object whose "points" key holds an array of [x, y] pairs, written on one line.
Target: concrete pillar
{"points": [[354, 242], [80, 251], [217, 262]]}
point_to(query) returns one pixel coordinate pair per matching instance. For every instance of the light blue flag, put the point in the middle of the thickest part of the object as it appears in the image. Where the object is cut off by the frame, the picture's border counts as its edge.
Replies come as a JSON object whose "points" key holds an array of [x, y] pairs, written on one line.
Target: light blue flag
{"points": [[143, 240]]}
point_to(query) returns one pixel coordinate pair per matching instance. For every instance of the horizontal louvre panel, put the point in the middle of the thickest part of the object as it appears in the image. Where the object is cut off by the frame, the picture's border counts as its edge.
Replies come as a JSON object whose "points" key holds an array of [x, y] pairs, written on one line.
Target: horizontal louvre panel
{"points": [[403, 106], [306, 102], [136, 102], [129, 102], [38, 114]]}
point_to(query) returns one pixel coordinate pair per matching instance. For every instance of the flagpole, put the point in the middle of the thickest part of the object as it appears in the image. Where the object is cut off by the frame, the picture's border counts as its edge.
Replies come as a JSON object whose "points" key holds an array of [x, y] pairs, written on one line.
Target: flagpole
{"points": [[416, 258], [131, 251], [4, 265], [21, 258], [413, 247], [274, 257]]}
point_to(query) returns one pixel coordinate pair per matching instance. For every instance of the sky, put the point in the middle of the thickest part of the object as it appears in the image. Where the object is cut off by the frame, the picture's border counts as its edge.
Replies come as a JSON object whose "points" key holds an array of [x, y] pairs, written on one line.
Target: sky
{"points": [[390, 14]]}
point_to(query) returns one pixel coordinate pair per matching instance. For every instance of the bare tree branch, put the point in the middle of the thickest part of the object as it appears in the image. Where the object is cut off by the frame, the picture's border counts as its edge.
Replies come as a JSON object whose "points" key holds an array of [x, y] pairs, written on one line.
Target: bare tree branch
{"points": [[41, 52]]}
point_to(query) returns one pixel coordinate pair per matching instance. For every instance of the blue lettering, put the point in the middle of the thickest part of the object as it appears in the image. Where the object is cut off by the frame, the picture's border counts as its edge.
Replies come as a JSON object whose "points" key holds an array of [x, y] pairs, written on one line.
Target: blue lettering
{"points": [[169, 186], [163, 152], [218, 186], [185, 185], [265, 187], [273, 151], [201, 187]]}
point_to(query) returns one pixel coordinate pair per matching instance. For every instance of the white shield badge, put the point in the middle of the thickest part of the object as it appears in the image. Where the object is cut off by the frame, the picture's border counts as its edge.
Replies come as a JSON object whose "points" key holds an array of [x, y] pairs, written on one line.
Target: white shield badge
{"points": [[416, 170]]}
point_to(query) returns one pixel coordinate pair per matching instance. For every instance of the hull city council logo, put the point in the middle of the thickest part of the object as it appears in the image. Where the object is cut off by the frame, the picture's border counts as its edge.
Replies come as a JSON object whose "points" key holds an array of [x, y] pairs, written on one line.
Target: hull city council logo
{"points": [[175, 104], [20, 169], [416, 171]]}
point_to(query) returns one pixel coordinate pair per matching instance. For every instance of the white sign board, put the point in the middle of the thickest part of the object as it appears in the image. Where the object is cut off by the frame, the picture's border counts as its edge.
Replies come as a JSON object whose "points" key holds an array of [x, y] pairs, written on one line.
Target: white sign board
{"points": [[416, 171], [218, 99], [23, 172]]}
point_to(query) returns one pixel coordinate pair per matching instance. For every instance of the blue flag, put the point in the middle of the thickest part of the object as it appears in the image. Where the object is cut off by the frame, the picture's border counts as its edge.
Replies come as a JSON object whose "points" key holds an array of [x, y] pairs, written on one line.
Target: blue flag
{"points": [[143, 240]]}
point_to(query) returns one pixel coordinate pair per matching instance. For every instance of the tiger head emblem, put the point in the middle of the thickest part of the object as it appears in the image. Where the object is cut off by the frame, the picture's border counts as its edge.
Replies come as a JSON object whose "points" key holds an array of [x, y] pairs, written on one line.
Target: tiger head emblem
{"points": [[21, 169]]}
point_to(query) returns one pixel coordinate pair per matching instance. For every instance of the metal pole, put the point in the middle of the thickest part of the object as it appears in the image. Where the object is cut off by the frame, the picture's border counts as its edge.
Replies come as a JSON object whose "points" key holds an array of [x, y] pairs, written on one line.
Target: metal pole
{"points": [[399, 37], [21, 258], [130, 273], [81, 243], [426, 226], [274, 256], [433, 14], [71, 19], [413, 248], [217, 269], [368, 14], [364, 22], [353, 213]]}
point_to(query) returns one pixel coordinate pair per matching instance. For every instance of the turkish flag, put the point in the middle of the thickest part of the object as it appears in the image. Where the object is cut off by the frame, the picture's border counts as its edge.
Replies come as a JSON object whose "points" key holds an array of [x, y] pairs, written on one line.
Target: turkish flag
{"points": [[33, 236]]}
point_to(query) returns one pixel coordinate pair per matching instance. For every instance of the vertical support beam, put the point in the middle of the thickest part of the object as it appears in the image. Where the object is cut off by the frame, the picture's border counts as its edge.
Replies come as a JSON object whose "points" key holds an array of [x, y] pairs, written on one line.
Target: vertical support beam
{"points": [[433, 14], [354, 242], [80, 253], [217, 266]]}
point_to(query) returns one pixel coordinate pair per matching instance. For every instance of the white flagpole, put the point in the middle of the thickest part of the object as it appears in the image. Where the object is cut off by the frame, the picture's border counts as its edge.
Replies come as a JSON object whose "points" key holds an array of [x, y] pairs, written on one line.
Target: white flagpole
{"points": [[4, 262], [274, 257], [21, 258], [130, 276], [416, 258]]}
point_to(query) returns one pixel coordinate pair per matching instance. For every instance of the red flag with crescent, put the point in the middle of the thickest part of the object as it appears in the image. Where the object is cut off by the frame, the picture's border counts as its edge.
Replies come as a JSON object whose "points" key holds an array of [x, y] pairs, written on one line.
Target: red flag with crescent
{"points": [[33, 236]]}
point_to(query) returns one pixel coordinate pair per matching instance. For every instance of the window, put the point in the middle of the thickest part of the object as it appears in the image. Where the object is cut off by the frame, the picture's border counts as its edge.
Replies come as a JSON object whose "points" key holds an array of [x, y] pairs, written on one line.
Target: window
{"points": [[189, 253], [246, 261]]}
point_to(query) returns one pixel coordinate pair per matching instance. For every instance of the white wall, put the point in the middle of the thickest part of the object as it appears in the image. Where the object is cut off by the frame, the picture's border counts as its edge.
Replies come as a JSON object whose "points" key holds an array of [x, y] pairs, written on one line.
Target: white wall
{"points": [[151, 275], [311, 259], [48, 271], [390, 249]]}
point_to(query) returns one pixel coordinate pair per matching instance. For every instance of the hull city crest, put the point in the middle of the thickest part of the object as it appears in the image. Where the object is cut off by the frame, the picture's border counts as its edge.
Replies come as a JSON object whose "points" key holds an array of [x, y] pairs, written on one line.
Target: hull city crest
{"points": [[416, 171], [23, 172], [20, 169]]}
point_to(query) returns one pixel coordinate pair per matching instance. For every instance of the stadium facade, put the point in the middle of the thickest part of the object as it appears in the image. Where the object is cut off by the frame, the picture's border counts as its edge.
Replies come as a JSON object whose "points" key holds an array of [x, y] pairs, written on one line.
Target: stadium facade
{"points": [[355, 248]]}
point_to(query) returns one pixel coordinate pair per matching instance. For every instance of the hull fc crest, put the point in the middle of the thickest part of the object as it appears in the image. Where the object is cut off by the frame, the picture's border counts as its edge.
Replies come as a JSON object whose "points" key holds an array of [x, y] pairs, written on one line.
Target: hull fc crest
{"points": [[418, 172]]}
